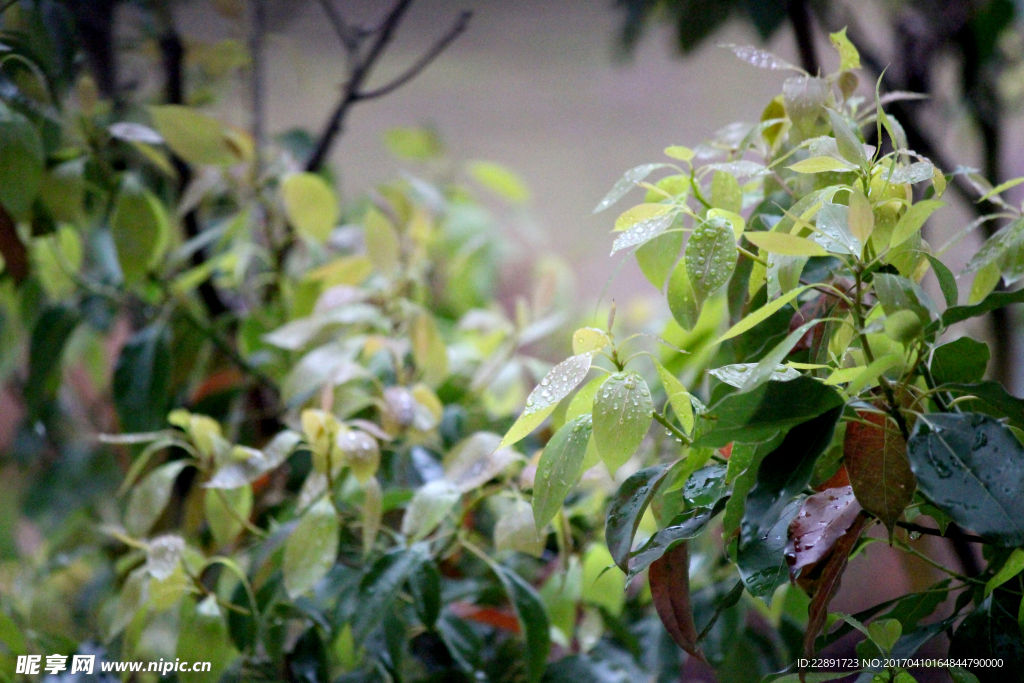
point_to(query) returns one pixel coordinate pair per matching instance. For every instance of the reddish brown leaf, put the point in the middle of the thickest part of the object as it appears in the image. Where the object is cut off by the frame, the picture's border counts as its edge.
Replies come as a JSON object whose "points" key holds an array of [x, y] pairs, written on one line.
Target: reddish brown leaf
{"points": [[840, 478], [490, 616], [822, 520], [823, 582], [669, 577], [876, 458], [12, 249]]}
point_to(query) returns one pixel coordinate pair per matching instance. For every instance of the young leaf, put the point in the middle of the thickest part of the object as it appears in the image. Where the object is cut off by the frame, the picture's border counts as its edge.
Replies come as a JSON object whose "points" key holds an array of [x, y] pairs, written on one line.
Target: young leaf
{"points": [[785, 244], [311, 549], [627, 507], [310, 204], [560, 466], [726, 193], [1013, 566], [912, 220], [849, 145], [760, 315], [543, 400], [677, 396], [643, 231], [626, 183], [669, 578], [762, 59], [622, 416], [822, 520], [849, 58], [875, 457], [645, 214], [589, 340], [500, 180], [710, 258], [972, 467]]}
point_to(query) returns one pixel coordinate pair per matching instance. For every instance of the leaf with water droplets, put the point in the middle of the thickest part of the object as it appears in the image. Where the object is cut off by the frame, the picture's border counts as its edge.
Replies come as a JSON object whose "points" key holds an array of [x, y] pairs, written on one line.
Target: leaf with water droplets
{"points": [[669, 577], [627, 507], [971, 467], [876, 460], [626, 183], [681, 300], [833, 224], [737, 374], [678, 397], [823, 518], [726, 193], [710, 258], [311, 548], [622, 416], [785, 244], [641, 213], [560, 466], [542, 401], [762, 59], [589, 340], [642, 231], [916, 172]]}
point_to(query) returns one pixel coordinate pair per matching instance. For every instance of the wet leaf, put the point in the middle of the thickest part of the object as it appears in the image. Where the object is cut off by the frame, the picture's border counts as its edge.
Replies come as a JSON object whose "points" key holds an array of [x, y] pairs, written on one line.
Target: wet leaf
{"points": [[669, 578], [686, 525], [822, 520], [622, 416], [1013, 566], [380, 587], [677, 396], [682, 301], [589, 340], [657, 257], [626, 183], [910, 222], [627, 508], [876, 460], [991, 632], [710, 258], [762, 59], [476, 460], [960, 361], [972, 468], [515, 530], [311, 549], [150, 497], [738, 374], [543, 400], [821, 165], [560, 467], [849, 58]]}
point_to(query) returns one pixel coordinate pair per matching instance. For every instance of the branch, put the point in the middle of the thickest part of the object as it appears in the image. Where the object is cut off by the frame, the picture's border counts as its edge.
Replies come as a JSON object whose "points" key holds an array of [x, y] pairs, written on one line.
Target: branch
{"points": [[800, 18], [952, 532], [340, 26], [423, 62]]}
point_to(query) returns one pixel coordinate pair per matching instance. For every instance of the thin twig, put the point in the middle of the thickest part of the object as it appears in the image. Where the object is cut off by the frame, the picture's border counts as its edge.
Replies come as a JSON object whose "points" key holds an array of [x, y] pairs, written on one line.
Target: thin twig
{"points": [[950, 532]]}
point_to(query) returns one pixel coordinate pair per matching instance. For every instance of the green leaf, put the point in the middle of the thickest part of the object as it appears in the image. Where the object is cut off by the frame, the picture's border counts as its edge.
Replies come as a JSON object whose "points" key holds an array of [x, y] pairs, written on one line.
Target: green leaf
{"points": [[543, 400], [11, 636], [203, 637], [897, 293], [50, 336], [677, 396], [643, 231], [589, 340], [991, 632], [21, 162], [770, 367], [311, 549], [911, 221], [622, 416], [499, 180], [626, 183], [657, 256], [684, 526], [682, 301], [876, 460], [645, 214], [823, 164], [962, 361], [947, 282], [601, 584], [560, 466], [150, 496], [425, 586], [141, 382], [380, 587], [382, 243], [861, 218], [849, 58], [850, 146], [679, 152], [985, 280], [759, 414], [710, 258], [994, 399], [627, 507], [310, 204], [140, 229], [959, 675], [754, 318], [785, 244], [517, 530], [1013, 566], [992, 302], [428, 348], [533, 621], [725, 192], [769, 508], [197, 138], [416, 144], [428, 507], [225, 509], [972, 468]]}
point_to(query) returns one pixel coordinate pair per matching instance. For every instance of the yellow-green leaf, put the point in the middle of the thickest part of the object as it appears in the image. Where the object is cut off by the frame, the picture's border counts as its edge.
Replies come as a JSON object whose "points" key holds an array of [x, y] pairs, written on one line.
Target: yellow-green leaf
{"points": [[762, 314], [310, 204], [785, 244], [428, 348], [985, 280], [679, 152], [347, 270], [639, 213], [226, 509], [413, 143], [196, 138], [541, 402], [849, 57], [500, 180], [912, 221], [311, 549], [382, 245], [589, 340], [861, 217], [821, 165], [678, 397]]}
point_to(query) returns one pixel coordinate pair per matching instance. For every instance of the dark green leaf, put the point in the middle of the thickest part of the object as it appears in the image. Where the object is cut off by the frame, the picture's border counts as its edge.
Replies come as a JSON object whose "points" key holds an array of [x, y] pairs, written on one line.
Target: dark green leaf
{"points": [[900, 294], [627, 507], [782, 475], [425, 585], [683, 526], [994, 400], [533, 620], [972, 467], [990, 303], [560, 466], [947, 282], [710, 257], [759, 414], [462, 642], [203, 637], [140, 384], [991, 632], [21, 162], [46, 350], [380, 586], [962, 360]]}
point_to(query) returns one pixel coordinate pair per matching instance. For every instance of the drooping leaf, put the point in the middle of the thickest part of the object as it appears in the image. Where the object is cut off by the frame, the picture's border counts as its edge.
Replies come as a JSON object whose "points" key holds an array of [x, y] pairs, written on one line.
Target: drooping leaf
{"points": [[960, 361], [686, 525], [543, 400], [657, 257], [310, 204], [150, 497], [560, 466], [141, 380], [710, 258], [311, 549], [993, 301], [626, 183], [822, 520], [627, 507], [622, 416], [947, 282], [533, 620], [669, 578], [682, 301], [972, 467], [140, 229], [875, 458], [781, 476], [773, 407]]}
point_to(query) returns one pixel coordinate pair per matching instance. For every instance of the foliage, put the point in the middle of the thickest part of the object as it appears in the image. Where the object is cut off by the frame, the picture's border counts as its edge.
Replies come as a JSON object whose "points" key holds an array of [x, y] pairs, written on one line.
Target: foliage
{"points": [[302, 473]]}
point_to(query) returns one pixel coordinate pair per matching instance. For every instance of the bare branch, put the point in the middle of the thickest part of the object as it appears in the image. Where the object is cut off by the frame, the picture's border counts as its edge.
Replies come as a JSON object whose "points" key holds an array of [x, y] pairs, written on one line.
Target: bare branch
{"points": [[423, 62], [344, 32]]}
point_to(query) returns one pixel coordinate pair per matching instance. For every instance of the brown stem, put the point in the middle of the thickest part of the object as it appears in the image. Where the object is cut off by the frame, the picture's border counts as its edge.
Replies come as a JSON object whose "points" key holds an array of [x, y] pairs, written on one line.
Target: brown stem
{"points": [[803, 29]]}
